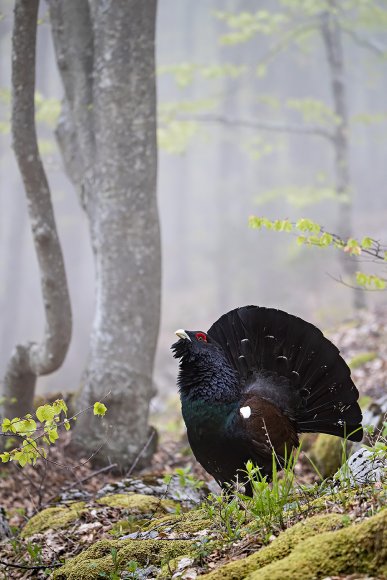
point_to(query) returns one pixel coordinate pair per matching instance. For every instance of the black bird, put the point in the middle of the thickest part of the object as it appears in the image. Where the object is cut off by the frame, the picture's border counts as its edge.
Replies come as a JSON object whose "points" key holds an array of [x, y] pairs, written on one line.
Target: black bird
{"points": [[256, 379]]}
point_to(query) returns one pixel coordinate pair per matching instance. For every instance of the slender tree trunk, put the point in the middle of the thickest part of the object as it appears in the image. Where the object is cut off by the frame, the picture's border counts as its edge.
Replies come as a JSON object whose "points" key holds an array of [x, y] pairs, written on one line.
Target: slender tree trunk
{"points": [[28, 361], [109, 121], [332, 37]]}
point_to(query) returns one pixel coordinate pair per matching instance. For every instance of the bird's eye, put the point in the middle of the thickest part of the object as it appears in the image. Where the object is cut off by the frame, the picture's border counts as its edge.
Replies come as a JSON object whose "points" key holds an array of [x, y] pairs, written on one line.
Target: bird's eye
{"points": [[201, 336]]}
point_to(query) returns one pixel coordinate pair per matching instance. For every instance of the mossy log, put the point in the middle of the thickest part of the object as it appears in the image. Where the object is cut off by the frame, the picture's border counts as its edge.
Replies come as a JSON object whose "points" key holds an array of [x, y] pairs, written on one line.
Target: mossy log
{"points": [[97, 560], [280, 548], [315, 548]]}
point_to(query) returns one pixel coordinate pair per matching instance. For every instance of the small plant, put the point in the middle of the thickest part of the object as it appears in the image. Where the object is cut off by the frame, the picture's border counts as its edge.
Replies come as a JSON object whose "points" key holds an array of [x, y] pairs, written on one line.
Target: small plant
{"points": [[185, 477], [35, 552], [132, 570], [203, 548], [228, 513], [114, 574], [265, 511], [270, 500]]}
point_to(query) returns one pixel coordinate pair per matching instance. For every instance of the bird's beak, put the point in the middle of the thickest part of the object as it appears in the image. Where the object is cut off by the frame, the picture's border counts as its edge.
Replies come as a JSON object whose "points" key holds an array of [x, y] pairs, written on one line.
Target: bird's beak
{"points": [[182, 334]]}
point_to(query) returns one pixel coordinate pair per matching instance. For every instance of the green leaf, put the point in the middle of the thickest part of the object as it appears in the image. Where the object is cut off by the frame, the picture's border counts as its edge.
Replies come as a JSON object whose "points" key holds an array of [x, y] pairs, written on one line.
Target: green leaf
{"points": [[24, 427], [366, 243], [59, 405], [5, 457], [6, 425], [314, 240], [371, 282], [260, 222], [307, 225], [326, 239], [45, 413], [67, 425], [23, 459], [361, 278], [53, 434], [255, 222], [99, 409]]}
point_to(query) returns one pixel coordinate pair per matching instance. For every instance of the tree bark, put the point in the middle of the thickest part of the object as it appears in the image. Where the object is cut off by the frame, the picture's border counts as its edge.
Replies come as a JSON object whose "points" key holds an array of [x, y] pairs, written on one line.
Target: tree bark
{"points": [[117, 141], [332, 38], [28, 361]]}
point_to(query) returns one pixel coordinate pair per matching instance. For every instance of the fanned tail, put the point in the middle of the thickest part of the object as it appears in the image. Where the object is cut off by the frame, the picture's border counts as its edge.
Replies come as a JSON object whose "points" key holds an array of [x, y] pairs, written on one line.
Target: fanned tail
{"points": [[317, 389]]}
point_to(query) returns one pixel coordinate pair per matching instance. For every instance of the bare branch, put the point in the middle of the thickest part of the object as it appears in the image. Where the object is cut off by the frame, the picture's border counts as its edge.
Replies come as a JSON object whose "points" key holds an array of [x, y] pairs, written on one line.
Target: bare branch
{"points": [[31, 360], [260, 125], [369, 43], [24, 567]]}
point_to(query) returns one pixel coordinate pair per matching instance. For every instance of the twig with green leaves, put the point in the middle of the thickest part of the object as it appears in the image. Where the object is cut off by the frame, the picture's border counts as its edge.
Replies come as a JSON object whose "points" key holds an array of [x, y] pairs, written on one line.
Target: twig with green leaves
{"points": [[310, 233], [36, 438]]}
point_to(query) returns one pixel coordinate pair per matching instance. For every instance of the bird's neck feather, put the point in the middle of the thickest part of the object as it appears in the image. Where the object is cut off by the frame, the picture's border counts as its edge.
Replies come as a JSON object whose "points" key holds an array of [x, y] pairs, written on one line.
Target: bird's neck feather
{"points": [[209, 379]]}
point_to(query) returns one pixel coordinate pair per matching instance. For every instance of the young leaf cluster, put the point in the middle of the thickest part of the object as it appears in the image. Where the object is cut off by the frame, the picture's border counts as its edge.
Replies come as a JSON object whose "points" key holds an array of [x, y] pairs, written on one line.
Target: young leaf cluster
{"points": [[34, 438], [36, 433], [310, 233]]}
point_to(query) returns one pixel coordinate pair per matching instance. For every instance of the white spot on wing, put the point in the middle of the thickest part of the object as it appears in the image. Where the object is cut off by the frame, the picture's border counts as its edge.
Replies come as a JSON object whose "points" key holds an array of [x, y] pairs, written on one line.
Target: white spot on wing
{"points": [[245, 412]]}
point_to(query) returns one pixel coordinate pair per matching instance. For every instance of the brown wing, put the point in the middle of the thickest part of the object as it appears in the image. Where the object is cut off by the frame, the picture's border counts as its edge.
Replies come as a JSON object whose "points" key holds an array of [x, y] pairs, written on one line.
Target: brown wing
{"points": [[267, 427]]}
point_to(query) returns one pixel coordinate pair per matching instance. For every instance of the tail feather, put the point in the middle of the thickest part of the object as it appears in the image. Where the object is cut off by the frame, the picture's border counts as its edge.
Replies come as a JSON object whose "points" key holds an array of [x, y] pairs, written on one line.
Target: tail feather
{"points": [[267, 343]]}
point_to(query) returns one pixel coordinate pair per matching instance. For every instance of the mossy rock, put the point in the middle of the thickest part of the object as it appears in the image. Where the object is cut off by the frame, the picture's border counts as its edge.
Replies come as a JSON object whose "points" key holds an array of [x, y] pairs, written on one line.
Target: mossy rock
{"points": [[97, 559], [138, 503], [357, 549], [361, 359], [280, 548], [53, 518], [184, 524], [128, 526], [327, 453], [307, 440]]}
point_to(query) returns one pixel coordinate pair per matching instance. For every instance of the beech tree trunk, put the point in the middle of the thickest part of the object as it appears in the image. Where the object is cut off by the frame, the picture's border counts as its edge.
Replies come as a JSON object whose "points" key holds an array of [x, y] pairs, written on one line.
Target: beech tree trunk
{"points": [[107, 134], [332, 37], [28, 361]]}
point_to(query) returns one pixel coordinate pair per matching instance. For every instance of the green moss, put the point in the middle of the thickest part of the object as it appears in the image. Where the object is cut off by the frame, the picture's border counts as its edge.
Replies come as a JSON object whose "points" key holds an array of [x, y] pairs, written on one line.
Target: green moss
{"points": [[97, 559], [138, 503], [357, 549], [365, 401], [307, 440], [327, 452], [183, 524], [54, 518], [128, 526], [280, 548], [361, 359]]}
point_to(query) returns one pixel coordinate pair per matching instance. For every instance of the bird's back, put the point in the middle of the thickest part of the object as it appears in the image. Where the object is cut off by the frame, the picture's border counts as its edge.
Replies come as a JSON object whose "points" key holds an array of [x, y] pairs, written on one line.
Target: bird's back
{"points": [[289, 363]]}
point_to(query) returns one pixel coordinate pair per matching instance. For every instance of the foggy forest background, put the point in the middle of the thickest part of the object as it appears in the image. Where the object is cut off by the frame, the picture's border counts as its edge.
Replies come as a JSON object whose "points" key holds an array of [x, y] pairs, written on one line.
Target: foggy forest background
{"points": [[211, 177]]}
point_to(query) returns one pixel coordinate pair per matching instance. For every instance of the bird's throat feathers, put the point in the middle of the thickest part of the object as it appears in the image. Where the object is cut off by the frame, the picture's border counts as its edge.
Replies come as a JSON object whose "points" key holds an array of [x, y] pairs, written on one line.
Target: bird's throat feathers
{"points": [[208, 378]]}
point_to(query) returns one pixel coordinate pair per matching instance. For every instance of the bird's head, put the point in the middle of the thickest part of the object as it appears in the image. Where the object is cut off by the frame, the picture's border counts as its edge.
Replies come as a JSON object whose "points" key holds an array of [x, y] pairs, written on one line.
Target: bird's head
{"points": [[193, 344], [204, 370]]}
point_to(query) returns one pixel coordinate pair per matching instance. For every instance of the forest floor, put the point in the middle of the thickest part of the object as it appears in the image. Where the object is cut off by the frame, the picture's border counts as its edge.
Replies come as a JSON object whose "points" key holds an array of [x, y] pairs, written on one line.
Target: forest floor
{"points": [[206, 533]]}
